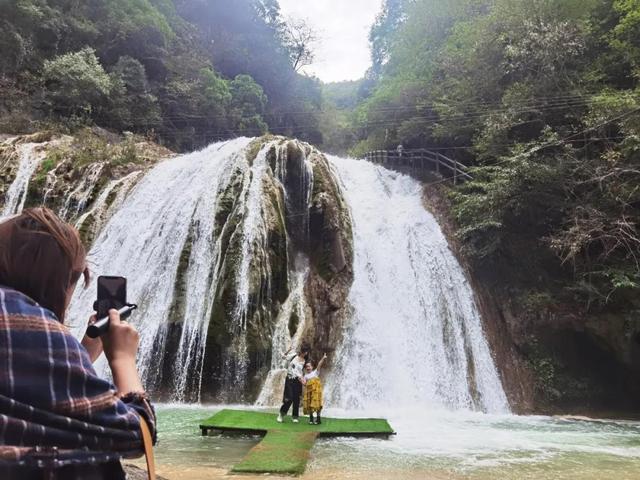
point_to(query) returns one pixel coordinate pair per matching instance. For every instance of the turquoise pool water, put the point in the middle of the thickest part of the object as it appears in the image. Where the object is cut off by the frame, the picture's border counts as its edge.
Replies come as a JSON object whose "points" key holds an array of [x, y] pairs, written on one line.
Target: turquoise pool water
{"points": [[438, 445]]}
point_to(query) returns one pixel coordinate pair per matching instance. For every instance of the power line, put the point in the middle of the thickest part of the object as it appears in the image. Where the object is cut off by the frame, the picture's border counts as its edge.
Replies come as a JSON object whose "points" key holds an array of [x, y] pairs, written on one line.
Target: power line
{"points": [[556, 143], [427, 120], [536, 102]]}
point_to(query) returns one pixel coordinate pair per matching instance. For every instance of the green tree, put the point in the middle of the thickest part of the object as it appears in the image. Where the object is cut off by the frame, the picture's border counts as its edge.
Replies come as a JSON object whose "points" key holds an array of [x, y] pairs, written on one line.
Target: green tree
{"points": [[76, 83], [383, 31], [132, 105], [626, 35], [248, 102]]}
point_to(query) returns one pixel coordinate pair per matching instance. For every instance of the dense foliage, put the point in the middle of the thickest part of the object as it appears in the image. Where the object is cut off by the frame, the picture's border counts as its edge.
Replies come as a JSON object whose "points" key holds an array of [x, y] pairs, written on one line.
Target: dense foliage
{"points": [[541, 98], [187, 71]]}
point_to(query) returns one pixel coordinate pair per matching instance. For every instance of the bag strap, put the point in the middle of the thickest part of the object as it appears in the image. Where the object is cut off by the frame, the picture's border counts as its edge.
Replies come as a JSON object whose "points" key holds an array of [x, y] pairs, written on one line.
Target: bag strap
{"points": [[147, 443]]}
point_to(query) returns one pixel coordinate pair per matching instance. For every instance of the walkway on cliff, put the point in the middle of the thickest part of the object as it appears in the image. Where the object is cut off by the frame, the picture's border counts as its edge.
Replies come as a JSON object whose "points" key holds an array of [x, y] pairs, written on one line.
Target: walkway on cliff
{"points": [[420, 160]]}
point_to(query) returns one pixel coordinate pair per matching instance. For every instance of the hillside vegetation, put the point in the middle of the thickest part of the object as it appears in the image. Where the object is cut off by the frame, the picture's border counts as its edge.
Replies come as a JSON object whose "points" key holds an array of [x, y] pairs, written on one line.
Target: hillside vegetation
{"points": [[186, 72]]}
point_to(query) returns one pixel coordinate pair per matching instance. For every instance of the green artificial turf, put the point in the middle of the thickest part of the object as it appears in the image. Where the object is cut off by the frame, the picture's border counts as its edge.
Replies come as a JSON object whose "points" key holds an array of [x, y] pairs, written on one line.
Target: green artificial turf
{"points": [[279, 452], [254, 421], [285, 447]]}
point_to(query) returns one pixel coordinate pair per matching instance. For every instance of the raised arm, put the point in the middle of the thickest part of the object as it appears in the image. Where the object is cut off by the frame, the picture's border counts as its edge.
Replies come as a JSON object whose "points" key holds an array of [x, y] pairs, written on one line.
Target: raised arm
{"points": [[321, 362], [285, 354]]}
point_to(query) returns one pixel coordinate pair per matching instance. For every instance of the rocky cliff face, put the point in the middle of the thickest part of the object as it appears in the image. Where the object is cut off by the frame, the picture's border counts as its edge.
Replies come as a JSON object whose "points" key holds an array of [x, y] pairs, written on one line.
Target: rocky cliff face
{"points": [[69, 173], [304, 217]]}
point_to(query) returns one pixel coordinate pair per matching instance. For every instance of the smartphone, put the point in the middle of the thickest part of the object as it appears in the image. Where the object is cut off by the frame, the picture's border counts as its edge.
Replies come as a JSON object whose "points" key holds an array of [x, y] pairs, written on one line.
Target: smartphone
{"points": [[112, 293]]}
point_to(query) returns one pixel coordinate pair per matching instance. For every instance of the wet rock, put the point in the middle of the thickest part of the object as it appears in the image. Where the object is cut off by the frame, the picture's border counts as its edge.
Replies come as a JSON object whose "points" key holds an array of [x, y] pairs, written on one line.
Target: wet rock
{"points": [[331, 254], [303, 213], [93, 157]]}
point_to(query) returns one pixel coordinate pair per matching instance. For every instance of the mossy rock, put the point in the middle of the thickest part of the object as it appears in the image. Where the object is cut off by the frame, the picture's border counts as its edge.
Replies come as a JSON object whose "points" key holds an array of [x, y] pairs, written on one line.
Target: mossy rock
{"points": [[255, 146], [177, 309], [86, 230], [330, 223]]}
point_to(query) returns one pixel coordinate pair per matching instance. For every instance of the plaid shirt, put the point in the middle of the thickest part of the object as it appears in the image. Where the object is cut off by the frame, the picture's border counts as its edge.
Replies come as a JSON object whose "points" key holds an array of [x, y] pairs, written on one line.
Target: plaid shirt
{"points": [[54, 409]]}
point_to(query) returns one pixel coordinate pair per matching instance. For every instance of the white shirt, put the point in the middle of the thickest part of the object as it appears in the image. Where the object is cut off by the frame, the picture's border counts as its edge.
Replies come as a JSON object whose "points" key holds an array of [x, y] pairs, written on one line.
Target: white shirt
{"points": [[294, 370], [309, 376]]}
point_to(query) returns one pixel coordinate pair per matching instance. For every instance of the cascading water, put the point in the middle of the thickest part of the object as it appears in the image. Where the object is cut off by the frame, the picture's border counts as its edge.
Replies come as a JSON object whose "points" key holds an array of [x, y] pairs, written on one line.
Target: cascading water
{"points": [[254, 237], [196, 230], [16, 195], [415, 337], [144, 241], [104, 206], [77, 199], [297, 177]]}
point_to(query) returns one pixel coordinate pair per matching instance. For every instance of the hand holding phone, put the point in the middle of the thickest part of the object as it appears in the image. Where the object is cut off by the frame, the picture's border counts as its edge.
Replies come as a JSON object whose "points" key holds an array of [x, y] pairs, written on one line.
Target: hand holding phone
{"points": [[112, 294]]}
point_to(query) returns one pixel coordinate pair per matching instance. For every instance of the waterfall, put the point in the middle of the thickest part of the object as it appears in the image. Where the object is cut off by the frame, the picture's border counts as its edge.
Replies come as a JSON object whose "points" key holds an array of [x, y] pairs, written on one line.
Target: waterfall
{"points": [[206, 241], [77, 199], [416, 336], [29, 158], [194, 238], [108, 202], [252, 248], [144, 240]]}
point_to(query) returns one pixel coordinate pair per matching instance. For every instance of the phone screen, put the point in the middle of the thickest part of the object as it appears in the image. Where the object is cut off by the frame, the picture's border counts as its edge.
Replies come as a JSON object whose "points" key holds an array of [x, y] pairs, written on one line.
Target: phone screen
{"points": [[112, 293]]}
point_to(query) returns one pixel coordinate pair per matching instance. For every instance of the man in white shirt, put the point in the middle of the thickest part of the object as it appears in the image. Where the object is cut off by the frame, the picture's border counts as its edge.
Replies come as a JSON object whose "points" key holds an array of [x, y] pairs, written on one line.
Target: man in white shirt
{"points": [[293, 383]]}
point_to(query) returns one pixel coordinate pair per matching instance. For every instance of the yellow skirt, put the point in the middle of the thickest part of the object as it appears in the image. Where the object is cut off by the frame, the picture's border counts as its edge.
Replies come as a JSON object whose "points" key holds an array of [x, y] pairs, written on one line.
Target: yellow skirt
{"points": [[312, 396]]}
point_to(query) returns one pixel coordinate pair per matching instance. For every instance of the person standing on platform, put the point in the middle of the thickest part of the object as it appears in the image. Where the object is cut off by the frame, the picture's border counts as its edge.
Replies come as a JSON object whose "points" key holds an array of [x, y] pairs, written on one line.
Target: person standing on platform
{"points": [[400, 150], [293, 383], [312, 397]]}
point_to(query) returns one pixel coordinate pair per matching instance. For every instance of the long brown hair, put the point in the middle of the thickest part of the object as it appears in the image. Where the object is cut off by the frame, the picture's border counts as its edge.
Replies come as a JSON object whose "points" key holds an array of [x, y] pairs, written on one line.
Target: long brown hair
{"points": [[43, 257]]}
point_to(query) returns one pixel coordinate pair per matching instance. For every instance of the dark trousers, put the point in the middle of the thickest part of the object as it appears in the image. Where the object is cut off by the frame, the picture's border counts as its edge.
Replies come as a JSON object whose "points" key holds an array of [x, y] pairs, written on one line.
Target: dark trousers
{"points": [[292, 394]]}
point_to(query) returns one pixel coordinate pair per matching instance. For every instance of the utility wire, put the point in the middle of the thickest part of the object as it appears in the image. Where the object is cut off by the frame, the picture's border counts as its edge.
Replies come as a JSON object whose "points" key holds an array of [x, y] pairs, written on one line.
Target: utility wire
{"points": [[556, 143], [470, 119], [536, 102]]}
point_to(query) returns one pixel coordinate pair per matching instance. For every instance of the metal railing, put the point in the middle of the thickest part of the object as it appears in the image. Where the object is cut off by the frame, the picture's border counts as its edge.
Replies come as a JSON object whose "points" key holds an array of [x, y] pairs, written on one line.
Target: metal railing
{"points": [[420, 159]]}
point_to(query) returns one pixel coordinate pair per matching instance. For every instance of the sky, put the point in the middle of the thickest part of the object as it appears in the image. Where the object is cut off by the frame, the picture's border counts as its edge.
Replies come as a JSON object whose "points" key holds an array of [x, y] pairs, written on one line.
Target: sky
{"points": [[342, 49]]}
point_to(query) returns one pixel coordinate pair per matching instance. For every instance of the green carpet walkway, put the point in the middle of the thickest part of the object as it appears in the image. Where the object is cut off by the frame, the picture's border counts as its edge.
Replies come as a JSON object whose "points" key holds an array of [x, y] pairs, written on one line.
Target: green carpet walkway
{"points": [[286, 446]]}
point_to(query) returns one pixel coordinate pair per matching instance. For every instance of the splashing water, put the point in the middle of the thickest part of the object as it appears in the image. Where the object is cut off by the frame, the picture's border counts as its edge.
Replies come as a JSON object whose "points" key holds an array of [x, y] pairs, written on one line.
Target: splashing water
{"points": [[416, 335]]}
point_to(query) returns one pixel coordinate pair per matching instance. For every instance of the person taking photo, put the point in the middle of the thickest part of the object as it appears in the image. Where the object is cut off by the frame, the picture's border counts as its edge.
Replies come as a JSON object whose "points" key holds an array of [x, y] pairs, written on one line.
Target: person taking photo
{"points": [[58, 418]]}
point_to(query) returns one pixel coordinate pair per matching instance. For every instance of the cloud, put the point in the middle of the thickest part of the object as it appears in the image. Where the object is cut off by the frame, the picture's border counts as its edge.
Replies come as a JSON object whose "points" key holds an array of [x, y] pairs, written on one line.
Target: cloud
{"points": [[342, 51]]}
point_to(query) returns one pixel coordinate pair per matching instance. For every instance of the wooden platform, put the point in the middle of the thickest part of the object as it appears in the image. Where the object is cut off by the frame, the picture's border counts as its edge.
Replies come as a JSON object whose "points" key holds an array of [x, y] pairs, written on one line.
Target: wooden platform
{"points": [[286, 446]]}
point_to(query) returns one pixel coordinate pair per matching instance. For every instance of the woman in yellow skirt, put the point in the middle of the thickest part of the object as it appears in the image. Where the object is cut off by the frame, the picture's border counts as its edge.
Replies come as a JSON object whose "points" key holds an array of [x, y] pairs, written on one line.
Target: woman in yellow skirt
{"points": [[312, 396]]}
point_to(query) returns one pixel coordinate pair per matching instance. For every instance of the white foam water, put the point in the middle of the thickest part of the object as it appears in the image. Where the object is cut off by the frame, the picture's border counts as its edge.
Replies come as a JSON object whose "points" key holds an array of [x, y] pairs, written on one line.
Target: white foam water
{"points": [[29, 157], [144, 240], [416, 336]]}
